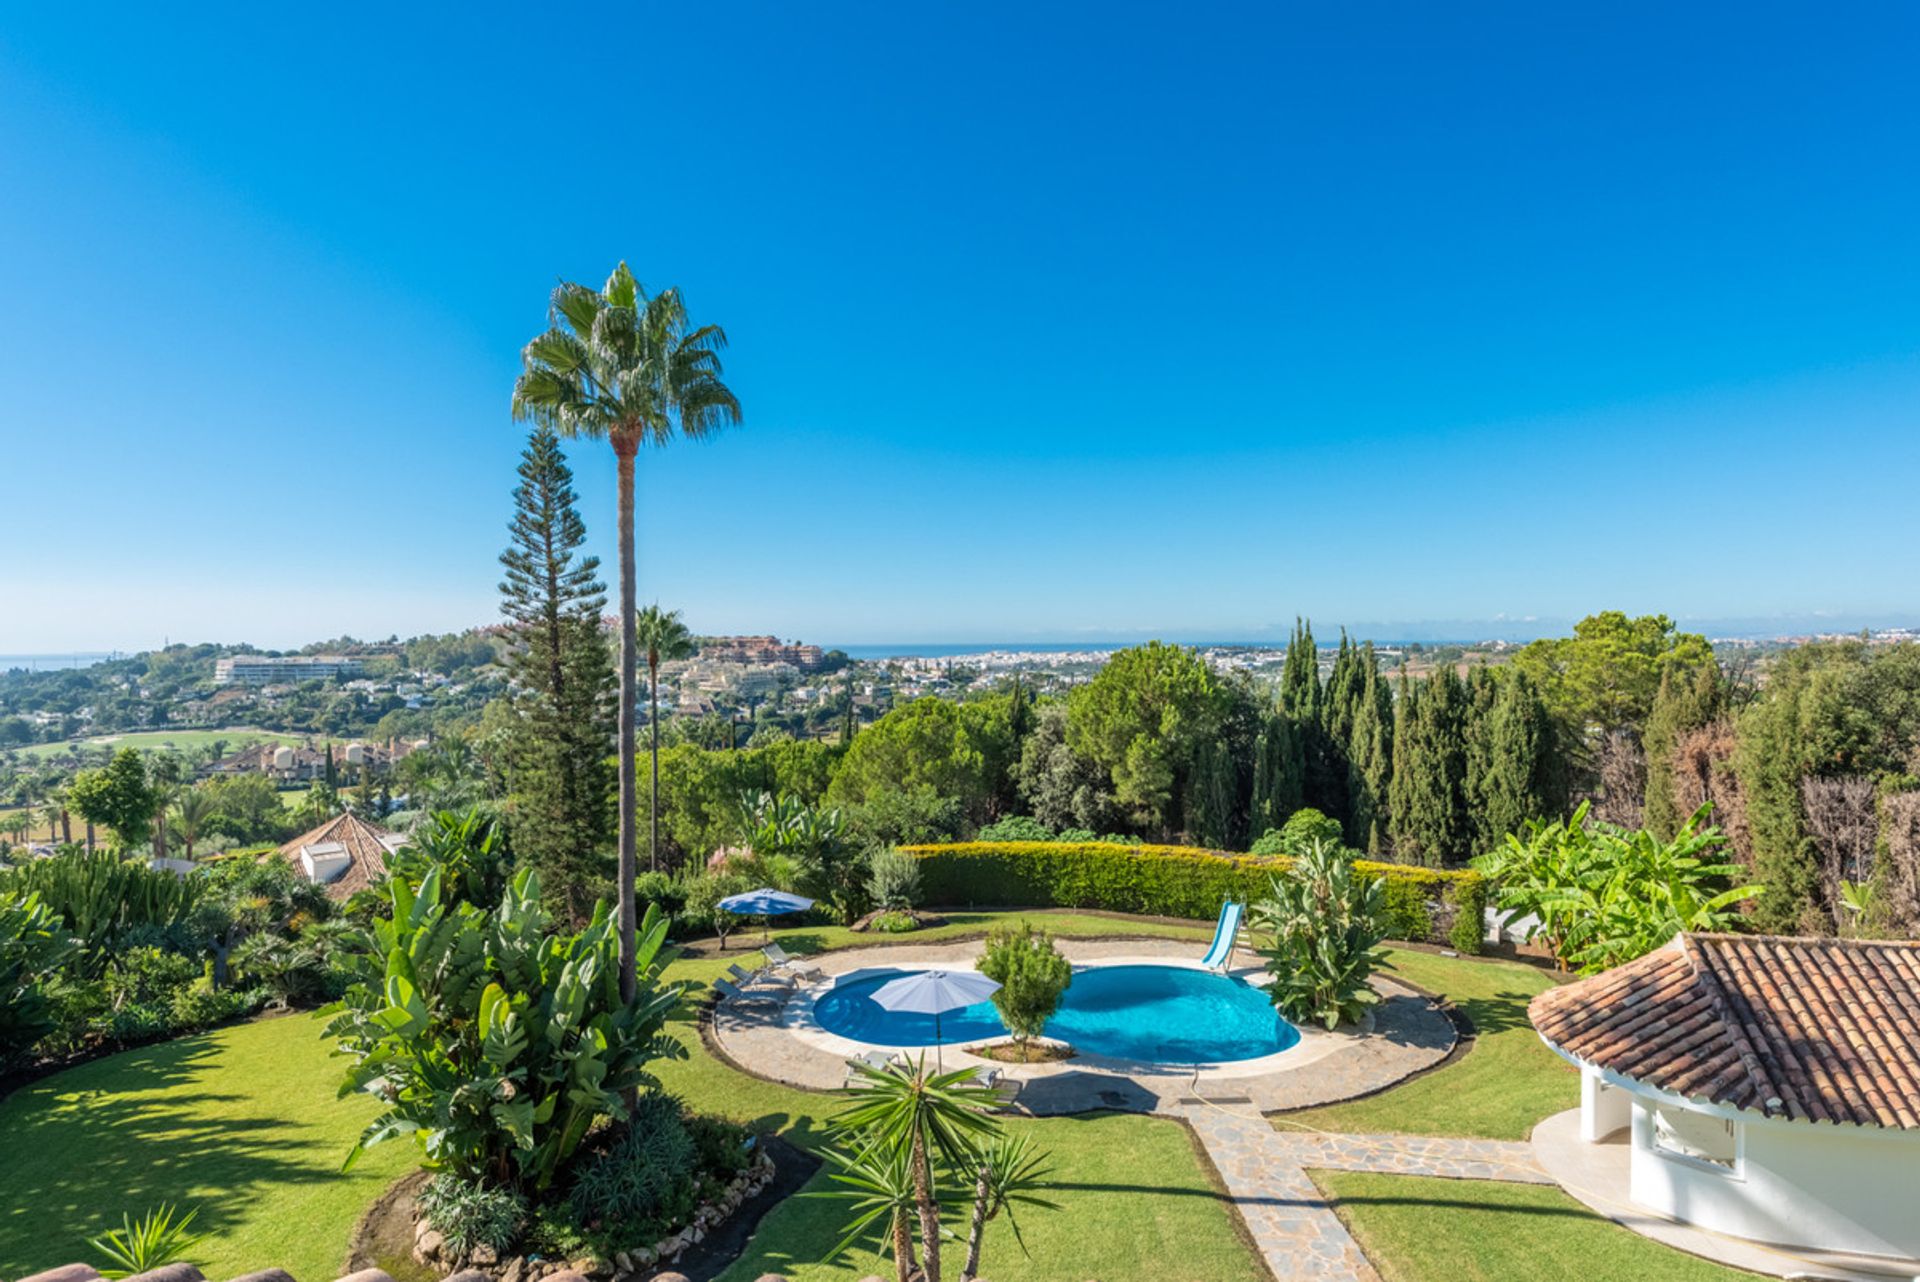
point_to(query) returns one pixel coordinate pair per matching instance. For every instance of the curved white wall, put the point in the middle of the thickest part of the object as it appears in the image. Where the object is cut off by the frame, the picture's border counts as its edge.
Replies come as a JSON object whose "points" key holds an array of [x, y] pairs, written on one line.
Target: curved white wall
{"points": [[1832, 1188]]}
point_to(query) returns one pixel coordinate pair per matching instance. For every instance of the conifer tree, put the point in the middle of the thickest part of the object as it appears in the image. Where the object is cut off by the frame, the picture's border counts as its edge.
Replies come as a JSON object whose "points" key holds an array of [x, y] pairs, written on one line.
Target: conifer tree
{"points": [[1515, 785], [1429, 785], [1369, 756], [1300, 677], [560, 774], [1277, 774], [1687, 700]]}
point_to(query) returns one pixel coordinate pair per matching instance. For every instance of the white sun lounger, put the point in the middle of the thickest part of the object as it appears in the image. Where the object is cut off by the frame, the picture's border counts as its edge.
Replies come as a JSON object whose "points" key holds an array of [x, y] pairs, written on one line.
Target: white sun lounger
{"points": [[734, 995], [782, 960]]}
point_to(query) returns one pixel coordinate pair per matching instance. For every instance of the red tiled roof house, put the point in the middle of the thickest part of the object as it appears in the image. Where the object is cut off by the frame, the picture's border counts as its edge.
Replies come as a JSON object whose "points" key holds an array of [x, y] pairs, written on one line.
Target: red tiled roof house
{"points": [[1767, 1088], [345, 854]]}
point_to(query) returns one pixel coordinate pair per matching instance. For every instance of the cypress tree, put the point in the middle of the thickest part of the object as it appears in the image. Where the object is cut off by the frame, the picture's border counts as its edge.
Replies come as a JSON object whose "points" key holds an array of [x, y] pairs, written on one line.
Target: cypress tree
{"points": [[560, 772], [1369, 757], [1300, 677], [1278, 774], [1429, 807], [1685, 701], [1515, 784]]}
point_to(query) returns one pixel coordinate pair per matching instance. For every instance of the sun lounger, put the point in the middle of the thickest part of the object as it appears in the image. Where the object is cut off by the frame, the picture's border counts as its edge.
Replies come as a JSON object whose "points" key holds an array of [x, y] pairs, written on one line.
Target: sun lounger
{"points": [[744, 977], [1226, 933], [781, 960]]}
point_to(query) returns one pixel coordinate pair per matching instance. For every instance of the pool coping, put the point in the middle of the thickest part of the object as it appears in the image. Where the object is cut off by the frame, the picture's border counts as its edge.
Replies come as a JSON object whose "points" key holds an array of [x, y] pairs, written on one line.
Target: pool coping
{"points": [[790, 1047]]}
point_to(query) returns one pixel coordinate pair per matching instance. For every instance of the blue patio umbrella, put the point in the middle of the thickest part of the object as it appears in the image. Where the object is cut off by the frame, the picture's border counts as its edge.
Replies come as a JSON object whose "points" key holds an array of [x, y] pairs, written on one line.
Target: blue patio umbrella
{"points": [[766, 903]]}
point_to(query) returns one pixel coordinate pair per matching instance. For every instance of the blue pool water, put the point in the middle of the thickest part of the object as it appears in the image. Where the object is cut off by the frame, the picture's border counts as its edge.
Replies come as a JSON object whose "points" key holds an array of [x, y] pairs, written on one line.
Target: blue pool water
{"points": [[1161, 1014]]}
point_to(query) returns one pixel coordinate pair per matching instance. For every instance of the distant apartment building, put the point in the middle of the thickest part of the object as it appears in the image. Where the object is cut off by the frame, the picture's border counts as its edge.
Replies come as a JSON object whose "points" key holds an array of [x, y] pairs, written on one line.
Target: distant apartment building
{"points": [[758, 650], [260, 670]]}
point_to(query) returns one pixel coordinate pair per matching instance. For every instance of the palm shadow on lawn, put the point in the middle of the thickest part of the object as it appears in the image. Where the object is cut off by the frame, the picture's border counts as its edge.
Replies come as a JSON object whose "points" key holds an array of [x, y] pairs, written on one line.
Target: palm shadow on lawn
{"points": [[127, 1133]]}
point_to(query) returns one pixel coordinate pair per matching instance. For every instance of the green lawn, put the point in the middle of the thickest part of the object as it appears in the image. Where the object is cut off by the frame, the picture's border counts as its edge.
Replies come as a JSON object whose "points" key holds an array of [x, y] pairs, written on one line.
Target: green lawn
{"points": [[149, 740], [1426, 1230], [241, 1123], [1507, 1082]]}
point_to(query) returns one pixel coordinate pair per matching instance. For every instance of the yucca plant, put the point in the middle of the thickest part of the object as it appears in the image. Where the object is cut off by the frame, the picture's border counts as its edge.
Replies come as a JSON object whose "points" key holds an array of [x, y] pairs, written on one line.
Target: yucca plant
{"points": [[154, 1239]]}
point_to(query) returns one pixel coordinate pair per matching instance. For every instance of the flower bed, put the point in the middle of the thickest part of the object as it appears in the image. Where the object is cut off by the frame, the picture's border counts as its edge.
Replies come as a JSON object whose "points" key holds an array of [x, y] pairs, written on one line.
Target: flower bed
{"points": [[1427, 905], [632, 1260]]}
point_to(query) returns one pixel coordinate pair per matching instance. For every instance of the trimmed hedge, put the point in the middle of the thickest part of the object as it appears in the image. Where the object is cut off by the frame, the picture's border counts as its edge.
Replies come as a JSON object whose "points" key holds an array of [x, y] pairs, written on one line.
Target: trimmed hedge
{"points": [[1430, 905]]}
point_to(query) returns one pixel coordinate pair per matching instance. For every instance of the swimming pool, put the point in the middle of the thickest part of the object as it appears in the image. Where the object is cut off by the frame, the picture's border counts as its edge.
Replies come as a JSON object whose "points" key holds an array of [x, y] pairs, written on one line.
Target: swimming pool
{"points": [[1159, 1014]]}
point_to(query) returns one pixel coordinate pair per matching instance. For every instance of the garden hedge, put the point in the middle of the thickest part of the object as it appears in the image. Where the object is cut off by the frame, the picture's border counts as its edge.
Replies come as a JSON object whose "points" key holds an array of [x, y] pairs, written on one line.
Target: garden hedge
{"points": [[1430, 905]]}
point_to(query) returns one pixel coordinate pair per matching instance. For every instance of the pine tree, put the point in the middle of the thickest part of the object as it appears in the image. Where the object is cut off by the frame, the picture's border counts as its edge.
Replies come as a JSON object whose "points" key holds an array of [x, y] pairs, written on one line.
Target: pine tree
{"points": [[1686, 701], [561, 778]]}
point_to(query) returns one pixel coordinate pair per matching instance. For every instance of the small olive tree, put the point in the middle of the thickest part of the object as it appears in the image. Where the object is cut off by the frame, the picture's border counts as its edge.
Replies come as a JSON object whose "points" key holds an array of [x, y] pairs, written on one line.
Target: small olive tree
{"points": [[1032, 975]]}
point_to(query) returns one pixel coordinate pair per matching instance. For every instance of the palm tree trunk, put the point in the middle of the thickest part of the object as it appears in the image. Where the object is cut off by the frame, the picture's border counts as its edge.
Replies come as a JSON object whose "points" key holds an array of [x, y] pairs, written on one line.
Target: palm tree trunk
{"points": [[625, 447], [982, 1191], [653, 792], [929, 1209], [904, 1265]]}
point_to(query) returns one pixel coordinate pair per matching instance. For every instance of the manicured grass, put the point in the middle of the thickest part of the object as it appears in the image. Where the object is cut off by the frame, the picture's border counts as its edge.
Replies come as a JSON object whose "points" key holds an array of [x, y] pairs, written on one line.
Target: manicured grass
{"points": [[1133, 1204], [1426, 1230], [1507, 1082], [241, 1123], [149, 740]]}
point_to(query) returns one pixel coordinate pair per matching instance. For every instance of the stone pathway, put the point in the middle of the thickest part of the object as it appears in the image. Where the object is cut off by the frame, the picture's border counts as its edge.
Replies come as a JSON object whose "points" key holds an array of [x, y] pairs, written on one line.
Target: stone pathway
{"points": [[1296, 1231], [1454, 1159]]}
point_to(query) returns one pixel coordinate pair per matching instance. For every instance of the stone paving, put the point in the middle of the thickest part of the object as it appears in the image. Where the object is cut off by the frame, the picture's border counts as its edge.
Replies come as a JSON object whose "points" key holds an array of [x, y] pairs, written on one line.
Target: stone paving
{"points": [[1455, 1159]]}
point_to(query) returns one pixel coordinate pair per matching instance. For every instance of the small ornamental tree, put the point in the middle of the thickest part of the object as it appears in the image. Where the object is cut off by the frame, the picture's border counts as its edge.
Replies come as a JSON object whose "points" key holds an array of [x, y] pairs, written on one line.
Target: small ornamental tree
{"points": [[1032, 975], [1326, 921], [495, 1041], [118, 795]]}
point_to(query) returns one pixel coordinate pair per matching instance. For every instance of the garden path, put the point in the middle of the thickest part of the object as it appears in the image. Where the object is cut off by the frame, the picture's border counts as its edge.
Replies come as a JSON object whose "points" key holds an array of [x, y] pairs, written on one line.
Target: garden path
{"points": [[1293, 1226]]}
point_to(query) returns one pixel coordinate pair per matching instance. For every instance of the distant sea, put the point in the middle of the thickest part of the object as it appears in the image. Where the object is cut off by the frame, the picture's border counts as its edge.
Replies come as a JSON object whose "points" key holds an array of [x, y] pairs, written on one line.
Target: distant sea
{"points": [[960, 649], [48, 662]]}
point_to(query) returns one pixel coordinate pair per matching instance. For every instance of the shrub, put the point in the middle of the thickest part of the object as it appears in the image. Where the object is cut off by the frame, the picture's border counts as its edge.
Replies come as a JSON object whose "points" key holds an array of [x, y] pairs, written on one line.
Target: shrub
{"points": [[201, 1005], [1325, 920], [1605, 895], [33, 948], [153, 1240], [893, 879], [1303, 828], [894, 923], [1031, 973], [1468, 933], [643, 1180], [721, 1146], [470, 1215], [1164, 881], [106, 902], [1016, 828], [494, 1040], [702, 911], [1404, 911]]}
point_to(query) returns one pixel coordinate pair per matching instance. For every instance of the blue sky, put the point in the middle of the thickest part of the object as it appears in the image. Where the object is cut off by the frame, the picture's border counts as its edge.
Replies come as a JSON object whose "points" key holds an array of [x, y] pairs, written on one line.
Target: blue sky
{"points": [[1049, 321]]}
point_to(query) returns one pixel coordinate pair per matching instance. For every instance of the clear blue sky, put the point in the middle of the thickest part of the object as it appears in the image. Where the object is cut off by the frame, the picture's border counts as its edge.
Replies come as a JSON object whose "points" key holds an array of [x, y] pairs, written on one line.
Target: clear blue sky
{"points": [[1049, 321]]}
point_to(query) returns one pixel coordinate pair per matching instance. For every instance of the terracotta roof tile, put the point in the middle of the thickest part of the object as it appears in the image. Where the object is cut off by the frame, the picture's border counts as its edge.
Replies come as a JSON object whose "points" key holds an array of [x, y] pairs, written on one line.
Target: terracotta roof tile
{"points": [[366, 846], [1815, 1029]]}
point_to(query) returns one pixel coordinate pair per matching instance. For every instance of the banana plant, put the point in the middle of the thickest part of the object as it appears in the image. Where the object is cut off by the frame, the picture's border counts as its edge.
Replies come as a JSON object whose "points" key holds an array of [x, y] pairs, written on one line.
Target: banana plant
{"points": [[493, 1041]]}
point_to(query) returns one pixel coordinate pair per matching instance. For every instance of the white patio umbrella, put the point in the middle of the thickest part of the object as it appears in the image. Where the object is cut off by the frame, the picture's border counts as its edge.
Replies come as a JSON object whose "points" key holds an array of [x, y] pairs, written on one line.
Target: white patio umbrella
{"points": [[934, 992]]}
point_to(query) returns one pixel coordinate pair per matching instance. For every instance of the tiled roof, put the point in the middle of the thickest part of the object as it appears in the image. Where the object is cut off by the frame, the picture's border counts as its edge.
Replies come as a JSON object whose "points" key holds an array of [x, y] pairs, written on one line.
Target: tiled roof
{"points": [[1824, 1030], [366, 845]]}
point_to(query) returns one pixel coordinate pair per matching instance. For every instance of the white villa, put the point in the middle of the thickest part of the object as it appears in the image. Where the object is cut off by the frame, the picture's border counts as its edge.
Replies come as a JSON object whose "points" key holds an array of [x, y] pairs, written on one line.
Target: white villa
{"points": [[1766, 1089]]}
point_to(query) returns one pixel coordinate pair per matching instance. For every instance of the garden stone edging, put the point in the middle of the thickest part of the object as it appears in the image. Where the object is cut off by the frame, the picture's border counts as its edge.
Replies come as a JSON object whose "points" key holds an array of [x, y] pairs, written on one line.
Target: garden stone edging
{"points": [[630, 1265]]}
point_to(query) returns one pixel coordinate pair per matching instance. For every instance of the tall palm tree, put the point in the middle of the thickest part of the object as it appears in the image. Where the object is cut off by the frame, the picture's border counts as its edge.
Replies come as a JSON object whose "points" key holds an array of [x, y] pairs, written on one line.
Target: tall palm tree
{"points": [[664, 638], [628, 366]]}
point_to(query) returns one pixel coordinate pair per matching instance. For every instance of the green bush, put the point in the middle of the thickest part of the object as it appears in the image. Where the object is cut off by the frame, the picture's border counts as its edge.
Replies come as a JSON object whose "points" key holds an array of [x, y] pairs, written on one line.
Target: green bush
{"points": [[494, 1040], [469, 1214], [1016, 828], [1297, 835], [1468, 932], [33, 948], [1159, 881], [894, 879], [1326, 922], [642, 1181], [1404, 911], [1031, 973]]}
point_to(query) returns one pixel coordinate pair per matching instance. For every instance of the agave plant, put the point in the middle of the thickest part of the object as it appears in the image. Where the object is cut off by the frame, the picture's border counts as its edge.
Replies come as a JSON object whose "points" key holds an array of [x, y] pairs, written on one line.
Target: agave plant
{"points": [[154, 1239], [494, 1041]]}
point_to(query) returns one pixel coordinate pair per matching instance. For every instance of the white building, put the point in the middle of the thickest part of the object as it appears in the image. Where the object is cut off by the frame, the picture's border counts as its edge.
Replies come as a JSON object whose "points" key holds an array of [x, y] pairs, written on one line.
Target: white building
{"points": [[1766, 1088], [263, 670]]}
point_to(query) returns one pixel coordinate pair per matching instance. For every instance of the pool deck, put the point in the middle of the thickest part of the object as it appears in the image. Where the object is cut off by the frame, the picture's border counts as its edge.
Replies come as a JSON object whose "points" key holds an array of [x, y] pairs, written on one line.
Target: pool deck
{"points": [[1405, 1033]]}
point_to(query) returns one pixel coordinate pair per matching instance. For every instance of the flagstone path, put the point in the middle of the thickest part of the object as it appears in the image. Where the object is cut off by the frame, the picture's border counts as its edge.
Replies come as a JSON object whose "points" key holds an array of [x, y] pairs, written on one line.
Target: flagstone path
{"points": [[1293, 1226]]}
